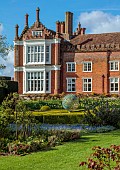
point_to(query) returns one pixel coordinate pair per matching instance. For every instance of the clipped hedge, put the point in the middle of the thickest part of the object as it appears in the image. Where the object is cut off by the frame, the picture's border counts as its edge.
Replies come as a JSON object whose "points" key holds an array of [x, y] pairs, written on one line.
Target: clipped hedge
{"points": [[60, 119], [36, 105], [6, 87], [44, 108]]}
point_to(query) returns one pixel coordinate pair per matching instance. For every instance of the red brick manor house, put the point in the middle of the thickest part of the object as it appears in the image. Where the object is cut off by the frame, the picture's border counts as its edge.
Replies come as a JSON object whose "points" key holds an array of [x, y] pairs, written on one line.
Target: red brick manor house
{"points": [[47, 61]]}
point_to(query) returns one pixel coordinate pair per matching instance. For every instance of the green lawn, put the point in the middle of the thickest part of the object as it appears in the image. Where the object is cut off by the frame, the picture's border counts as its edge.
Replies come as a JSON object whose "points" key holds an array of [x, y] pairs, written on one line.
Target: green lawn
{"points": [[63, 157]]}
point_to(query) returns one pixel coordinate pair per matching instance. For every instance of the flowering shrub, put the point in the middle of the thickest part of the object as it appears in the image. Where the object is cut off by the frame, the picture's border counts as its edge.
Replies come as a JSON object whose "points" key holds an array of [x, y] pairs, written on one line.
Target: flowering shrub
{"points": [[18, 148], [104, 158], [44, 141], [65, 135]]}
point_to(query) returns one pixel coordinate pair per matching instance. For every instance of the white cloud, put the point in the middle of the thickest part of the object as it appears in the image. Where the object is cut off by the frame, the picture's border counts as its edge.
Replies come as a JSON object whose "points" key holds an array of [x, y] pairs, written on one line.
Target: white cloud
{"points": [[9, 70], [100, 22]]}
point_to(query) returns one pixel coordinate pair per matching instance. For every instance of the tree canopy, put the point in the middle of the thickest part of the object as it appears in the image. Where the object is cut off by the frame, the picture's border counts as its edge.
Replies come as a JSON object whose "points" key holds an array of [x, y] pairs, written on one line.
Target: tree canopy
{"points": [[4, 49]]}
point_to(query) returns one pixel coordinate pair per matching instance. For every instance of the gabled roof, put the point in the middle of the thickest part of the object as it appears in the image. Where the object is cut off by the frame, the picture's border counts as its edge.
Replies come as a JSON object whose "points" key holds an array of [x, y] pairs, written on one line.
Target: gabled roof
{"points": [[94, 39], [27, 32]]}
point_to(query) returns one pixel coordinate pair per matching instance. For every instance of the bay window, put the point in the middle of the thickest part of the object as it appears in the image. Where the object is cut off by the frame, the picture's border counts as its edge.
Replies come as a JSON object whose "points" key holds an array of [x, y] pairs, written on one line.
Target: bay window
{"points": [[38, 81], [38, 54]]}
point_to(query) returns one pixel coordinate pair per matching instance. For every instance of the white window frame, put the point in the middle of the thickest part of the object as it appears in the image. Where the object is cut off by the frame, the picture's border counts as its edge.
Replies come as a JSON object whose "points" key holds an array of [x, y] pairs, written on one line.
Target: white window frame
{"points": [[47, 53], [37, 33], [87, 63], [71, 66], [71, 78], [37, 53], [87, 83], [49, 82], [114, 63], [44, 82], [113, 82]]}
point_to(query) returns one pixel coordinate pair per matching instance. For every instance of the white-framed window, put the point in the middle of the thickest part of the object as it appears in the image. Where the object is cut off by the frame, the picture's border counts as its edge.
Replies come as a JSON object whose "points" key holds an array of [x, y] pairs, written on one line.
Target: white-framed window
{"points": [[87, 66], [38, 54], [47, 81], [87, 84], [114, 84], [71, 84], [47, 53], [71, 66], [38, 81], [114, 65], [36, 33]]}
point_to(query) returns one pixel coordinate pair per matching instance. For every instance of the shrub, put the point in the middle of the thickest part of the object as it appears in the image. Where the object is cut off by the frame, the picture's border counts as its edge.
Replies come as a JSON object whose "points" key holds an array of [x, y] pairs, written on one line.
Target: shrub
{"points": [[36, 105], [44, 108], [59, 136], [104, 158], [45, 140], [101, 112], [60, 119], [10, 102]]}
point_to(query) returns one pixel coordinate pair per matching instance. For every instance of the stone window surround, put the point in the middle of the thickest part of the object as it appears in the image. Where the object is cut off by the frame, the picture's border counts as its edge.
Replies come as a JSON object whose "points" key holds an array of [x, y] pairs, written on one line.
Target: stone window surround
{"points": [[44, 81]]}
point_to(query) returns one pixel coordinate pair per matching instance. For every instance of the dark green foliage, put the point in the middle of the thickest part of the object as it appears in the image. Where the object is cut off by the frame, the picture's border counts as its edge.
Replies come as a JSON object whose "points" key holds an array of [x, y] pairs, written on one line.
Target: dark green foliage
{"points": [[36, 105], [7, 87], [25, 119], [101, 112], [7, 113], [6, 117], [10, 102], [44, 141], [104, 158], [3, 93], [60, 119]]}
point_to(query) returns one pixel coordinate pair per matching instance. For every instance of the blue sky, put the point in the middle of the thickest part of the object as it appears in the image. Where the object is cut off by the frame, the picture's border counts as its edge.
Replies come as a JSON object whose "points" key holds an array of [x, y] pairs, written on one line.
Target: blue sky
{"points": [[96, 15]]}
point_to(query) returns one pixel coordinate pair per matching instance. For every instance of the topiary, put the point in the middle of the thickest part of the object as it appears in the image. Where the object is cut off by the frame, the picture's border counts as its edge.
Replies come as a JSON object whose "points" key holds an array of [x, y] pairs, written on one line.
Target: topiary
{"points": [[44, 108]]}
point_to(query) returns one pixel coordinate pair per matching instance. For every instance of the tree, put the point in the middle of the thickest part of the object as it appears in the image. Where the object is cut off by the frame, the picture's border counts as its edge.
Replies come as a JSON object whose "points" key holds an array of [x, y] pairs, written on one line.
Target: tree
{"points": [[4, 49]]}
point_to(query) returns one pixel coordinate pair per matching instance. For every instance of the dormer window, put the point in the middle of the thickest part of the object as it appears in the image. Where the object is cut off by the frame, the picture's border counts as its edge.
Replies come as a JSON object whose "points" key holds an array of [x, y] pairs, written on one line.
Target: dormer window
{"points": [[36, 33]]}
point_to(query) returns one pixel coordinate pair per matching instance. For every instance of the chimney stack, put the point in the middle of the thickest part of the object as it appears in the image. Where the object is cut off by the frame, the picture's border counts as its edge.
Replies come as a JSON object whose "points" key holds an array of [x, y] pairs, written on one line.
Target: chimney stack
{"points": [[57, 26], [26, 20], [37, 14], [83, 31], [16, 32], [69, 23], [63, 27], [37, 17]]}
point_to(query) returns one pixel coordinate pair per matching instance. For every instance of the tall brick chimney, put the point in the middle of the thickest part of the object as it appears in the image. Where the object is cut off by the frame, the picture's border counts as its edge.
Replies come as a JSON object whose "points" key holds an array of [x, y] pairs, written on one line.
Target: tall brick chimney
{"points": [[16, 32], [69, 23], [83, 31], [26, 20], [37, 17], [58, 26], [62, 27]]}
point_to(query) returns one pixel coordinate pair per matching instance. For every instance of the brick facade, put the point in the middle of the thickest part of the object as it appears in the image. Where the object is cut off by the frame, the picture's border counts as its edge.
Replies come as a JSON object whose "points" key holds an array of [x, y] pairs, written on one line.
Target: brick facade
{"points": [[99, 52]]}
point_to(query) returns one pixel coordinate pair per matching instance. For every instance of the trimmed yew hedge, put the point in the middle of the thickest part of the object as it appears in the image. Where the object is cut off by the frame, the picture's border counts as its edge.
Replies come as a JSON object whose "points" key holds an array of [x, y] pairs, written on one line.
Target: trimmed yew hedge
{"points": [[60, 118]]}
